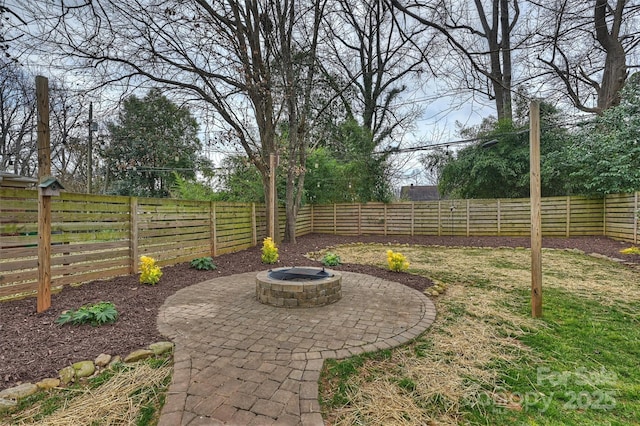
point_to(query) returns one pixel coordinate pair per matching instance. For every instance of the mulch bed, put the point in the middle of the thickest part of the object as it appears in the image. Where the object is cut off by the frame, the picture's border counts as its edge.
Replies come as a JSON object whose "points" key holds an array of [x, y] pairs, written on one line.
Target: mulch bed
{"points": [[33, 347]]}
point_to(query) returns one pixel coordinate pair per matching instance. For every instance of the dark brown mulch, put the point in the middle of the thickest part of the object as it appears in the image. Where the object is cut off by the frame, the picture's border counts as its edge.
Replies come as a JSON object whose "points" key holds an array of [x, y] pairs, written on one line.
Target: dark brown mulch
{"points": [[33, 347]]}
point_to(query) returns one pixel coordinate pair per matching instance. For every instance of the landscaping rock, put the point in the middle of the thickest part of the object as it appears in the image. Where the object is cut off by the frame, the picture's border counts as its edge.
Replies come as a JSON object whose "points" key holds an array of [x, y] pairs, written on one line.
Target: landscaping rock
{"points": [[599, 256], [102, 360], [116, 359], [161, 347], [46, 384], [575, 250], [67, 375], [7, 404], [84, 368], [138, 355], [19, 392]]}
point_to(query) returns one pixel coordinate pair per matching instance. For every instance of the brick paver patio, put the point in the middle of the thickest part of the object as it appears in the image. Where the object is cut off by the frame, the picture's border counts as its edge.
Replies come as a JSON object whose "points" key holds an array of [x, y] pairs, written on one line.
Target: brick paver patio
{"points": [[239, 362]]}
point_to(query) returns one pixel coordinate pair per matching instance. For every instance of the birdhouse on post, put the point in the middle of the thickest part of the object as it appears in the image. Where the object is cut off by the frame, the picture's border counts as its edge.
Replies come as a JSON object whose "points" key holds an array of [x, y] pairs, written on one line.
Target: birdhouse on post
{"points": [[50, 187]]}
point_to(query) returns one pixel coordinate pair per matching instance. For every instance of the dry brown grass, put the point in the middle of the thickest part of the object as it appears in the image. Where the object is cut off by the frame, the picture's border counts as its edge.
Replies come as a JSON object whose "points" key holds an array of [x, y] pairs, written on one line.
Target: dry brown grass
{"points": [[116, 402], [480, 317]]}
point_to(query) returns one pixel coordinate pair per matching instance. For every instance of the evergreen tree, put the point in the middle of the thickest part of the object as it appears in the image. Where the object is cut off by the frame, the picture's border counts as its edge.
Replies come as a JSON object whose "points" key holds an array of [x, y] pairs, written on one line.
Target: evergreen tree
{"points": [[152, 139]]}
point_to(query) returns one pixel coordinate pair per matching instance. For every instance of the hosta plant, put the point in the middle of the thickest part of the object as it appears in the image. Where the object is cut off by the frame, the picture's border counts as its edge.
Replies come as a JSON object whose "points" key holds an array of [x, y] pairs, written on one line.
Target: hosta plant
{"points": [[150, 273], [397, 262], [97, 314], [269, 251], [331, 259], [203, 264]]}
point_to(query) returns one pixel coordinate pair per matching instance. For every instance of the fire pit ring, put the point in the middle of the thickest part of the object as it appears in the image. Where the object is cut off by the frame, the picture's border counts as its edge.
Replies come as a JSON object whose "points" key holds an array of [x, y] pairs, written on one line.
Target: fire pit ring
{"points": [[298, 287]]}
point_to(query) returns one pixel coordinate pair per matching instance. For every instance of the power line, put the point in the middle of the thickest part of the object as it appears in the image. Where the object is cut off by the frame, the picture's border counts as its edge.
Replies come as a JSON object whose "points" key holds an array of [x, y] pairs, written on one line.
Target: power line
{"points": [[446, 144]]}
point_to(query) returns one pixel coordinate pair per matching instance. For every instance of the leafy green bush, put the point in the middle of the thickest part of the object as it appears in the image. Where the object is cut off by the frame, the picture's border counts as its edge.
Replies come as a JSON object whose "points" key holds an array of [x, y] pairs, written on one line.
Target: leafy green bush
{"points": [[331, 259], [203, 264], [269, 251], [397, 262], [97, 314], [150, 273]]}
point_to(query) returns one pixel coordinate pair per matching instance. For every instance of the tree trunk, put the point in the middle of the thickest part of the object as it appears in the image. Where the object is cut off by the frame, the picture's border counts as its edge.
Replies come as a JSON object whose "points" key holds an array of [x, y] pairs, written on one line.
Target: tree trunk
{"points": [[268, 207], [615, 68], [506, 59], [291, 211]]}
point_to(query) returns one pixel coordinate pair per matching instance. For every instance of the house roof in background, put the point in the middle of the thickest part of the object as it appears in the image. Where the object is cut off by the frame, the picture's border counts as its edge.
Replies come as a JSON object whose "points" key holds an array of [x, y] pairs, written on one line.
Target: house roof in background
{"points": [[420, 193], [13, 180]]}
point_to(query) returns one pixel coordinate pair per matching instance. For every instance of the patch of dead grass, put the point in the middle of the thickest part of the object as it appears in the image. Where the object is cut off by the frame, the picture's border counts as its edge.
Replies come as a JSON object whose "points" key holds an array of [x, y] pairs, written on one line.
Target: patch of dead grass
{"points": [[477, 328], [118, 401], [382, 402]]}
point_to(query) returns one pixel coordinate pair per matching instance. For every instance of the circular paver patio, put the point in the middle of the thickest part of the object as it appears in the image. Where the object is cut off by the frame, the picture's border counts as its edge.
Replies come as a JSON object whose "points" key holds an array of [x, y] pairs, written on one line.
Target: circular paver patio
{"points": [[240, 362]]}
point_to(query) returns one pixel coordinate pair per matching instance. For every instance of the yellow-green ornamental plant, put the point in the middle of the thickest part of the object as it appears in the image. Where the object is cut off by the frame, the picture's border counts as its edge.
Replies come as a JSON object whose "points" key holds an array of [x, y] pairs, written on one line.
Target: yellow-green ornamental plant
{"points": [[269, 251], [150, 273], [631, 250], [397, 262]]}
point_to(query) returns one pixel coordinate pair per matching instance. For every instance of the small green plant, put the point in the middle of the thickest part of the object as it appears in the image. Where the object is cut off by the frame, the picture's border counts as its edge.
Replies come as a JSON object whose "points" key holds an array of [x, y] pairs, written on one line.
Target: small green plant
{"points": [[97, 314], [397, 262], [150, 273], [269, 251], [631, 250], [203, 264], [331, 259]]}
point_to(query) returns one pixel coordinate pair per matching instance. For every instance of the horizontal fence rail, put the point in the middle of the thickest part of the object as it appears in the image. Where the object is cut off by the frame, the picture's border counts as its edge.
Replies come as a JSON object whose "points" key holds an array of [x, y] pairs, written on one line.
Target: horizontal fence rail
{"points": [[99, 237], [621, 219], [561, 217]]}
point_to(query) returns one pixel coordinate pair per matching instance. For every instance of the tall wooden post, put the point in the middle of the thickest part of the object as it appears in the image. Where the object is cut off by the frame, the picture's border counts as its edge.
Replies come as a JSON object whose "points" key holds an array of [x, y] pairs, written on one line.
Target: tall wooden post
{"points": [[272, 197], [133, 235], [44, 201], [635, 218], [213, 230], [90, 151], [536, 213], [254, 230]]}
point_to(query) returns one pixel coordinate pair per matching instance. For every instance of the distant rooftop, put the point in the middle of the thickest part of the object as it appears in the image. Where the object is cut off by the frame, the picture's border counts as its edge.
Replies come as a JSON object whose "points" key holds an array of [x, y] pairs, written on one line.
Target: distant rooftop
{"points": [[420, 193], [11, 180]]}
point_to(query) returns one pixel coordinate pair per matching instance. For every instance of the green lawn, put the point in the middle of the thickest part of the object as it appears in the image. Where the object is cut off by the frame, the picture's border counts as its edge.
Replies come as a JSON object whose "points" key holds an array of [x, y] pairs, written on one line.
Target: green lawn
{"points": [[486, 362]]}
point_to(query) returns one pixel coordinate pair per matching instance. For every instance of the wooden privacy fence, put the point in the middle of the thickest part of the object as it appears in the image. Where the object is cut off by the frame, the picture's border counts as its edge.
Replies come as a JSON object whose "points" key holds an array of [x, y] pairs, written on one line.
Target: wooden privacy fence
{"points": [[615, 216], [622, 213], [561, 217], [98, 237]]}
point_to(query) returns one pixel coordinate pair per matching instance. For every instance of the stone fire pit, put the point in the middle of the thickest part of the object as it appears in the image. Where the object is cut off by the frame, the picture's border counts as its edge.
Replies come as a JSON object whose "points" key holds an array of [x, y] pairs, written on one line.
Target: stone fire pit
{"points": [[298, 287]]}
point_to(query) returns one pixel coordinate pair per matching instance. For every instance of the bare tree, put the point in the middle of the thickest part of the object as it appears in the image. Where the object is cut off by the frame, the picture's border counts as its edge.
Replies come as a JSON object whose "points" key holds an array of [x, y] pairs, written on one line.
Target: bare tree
{"points": [[482, 36], [380, 58], [8, 18], [17, 120], [587, 46], [235, 56], [69, 133], [17, 127]]}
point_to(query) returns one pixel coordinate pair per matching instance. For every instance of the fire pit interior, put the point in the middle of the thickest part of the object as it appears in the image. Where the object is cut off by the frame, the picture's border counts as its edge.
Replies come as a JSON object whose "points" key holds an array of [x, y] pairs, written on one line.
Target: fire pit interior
{"points": [[299, 274], [298, 287]]}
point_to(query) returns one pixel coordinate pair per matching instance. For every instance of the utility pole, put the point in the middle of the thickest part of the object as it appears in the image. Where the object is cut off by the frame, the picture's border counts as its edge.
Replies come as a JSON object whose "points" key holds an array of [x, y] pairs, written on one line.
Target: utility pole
{"points": [[90, 150]]}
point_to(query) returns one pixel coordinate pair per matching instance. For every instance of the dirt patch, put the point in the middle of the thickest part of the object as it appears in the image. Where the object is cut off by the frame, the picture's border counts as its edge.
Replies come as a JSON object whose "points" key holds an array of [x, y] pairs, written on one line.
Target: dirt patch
{"points": [[34, 347]]}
